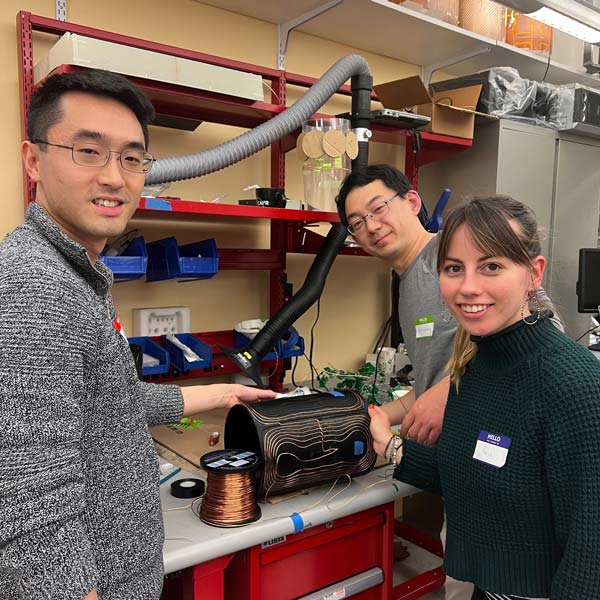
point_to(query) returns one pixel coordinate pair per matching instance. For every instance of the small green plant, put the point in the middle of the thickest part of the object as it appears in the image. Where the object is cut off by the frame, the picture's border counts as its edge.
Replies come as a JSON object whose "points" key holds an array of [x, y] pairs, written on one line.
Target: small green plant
{"points": [[362, 381]]}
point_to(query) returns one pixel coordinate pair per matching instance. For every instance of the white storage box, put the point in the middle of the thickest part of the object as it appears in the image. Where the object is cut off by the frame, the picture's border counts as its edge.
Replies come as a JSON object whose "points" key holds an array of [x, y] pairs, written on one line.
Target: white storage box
{"points": [[77, 50]]}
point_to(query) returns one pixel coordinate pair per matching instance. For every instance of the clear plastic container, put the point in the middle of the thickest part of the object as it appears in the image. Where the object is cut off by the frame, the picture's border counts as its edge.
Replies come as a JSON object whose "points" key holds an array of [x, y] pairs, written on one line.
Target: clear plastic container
{"points": [[323, 176], [528, 34]]}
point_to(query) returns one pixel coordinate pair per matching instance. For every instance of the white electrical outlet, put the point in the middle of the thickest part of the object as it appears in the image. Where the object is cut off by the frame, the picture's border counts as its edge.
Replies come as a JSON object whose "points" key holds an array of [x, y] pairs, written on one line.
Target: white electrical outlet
{"points": [[161, 320]]}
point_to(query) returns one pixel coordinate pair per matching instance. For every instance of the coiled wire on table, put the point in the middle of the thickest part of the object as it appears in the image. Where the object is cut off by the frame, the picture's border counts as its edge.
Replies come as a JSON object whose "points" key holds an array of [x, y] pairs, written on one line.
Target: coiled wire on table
{"points": [[230, 500]]}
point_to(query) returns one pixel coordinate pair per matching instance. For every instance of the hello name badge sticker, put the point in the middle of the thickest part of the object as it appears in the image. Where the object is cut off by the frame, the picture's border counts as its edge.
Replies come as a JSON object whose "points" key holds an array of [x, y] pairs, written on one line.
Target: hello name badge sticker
{"points": [[424, 327], [492, 449]]}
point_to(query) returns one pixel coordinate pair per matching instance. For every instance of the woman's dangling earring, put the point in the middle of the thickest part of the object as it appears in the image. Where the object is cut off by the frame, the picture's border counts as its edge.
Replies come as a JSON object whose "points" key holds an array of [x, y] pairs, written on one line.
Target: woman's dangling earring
{"points": [[531, 300], [443, 314]]}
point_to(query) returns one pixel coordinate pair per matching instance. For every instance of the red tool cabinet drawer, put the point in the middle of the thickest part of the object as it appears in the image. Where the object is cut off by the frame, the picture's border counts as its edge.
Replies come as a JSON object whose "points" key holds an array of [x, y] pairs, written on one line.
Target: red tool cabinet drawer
{"points": [[313, 559]]}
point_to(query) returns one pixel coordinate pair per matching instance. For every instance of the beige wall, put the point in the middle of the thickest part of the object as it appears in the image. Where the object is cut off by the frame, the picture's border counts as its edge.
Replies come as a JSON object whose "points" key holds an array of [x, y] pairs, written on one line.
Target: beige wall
{"points": [[355, 302]]}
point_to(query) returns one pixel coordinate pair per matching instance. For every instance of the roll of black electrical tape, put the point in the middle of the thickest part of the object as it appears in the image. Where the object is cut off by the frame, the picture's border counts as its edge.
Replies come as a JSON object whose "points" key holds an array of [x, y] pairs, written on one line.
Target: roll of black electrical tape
{"points": [[187, 488]]}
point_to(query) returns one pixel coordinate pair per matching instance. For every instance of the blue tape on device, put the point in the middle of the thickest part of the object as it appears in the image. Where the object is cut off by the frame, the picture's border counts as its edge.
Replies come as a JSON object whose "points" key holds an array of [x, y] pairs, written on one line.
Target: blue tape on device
{"points": [[359, 448], [298, 522], [334, 393]]}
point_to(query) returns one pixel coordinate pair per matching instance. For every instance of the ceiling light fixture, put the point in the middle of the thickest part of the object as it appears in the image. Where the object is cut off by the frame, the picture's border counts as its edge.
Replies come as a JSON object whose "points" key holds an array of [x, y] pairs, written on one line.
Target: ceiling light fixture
{"points": [[579, 19]]}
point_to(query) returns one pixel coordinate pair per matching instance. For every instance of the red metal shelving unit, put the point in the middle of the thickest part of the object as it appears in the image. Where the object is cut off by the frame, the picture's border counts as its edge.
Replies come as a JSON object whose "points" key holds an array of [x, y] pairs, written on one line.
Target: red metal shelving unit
{"points": [[154, 206], [287, 226], [192, 103], [299, 239]]}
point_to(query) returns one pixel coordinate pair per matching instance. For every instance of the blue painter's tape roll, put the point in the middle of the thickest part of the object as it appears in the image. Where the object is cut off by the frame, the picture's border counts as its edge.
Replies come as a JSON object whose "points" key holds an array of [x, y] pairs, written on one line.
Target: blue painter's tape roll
{"points": [[298, 522]]}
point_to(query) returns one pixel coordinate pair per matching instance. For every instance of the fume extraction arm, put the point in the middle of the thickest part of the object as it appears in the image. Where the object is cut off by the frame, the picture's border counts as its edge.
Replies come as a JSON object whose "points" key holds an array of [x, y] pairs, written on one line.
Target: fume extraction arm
{"points": [[165, 170]]}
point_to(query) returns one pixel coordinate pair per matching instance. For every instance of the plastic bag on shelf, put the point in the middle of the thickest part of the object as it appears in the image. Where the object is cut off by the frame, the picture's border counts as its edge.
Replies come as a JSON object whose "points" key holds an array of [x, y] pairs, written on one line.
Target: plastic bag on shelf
{"points": [[505, 93]]}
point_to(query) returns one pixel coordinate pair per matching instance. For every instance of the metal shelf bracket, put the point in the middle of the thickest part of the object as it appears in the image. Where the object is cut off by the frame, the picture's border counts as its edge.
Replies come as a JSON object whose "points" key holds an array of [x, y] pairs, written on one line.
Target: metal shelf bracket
{"points": [[428, 70], [285, 29]]}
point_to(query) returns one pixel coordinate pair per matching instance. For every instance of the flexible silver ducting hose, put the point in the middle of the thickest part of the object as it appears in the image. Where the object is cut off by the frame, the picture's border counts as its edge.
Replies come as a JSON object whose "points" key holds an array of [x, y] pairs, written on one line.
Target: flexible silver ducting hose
{"points": [[249, 143]]}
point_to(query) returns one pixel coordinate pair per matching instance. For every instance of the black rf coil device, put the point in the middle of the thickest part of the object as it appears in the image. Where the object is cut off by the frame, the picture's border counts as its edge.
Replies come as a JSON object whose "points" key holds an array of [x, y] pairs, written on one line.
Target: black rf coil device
{"points": [[303, 440]]}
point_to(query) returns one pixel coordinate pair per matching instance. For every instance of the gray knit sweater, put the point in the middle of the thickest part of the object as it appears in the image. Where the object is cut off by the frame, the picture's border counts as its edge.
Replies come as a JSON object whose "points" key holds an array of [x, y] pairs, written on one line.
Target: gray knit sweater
{"points": [[79, 502]]}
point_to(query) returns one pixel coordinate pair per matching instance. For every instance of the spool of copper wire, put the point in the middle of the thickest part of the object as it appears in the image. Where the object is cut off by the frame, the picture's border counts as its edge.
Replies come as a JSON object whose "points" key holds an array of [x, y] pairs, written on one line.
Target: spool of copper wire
{"points": [[230, 498]]}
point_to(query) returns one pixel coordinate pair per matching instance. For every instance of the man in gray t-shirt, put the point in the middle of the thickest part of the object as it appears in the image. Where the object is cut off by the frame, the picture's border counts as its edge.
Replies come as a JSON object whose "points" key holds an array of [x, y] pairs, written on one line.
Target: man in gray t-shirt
{"points": [[385, 218], [428, 330]]}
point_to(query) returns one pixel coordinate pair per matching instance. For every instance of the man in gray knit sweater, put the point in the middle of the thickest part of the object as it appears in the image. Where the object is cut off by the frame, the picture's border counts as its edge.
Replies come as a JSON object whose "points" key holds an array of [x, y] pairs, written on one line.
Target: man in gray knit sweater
{"points": [[79, 503]]}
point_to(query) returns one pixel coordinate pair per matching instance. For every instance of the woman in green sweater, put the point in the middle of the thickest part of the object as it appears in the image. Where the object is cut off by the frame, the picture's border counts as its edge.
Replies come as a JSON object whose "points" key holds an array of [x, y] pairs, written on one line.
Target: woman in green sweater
{"points": [[518, 460]]}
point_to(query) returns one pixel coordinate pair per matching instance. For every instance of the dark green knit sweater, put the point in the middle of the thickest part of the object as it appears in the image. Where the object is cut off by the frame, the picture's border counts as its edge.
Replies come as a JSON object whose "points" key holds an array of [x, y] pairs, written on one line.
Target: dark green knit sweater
{"points": [[531, 527]]}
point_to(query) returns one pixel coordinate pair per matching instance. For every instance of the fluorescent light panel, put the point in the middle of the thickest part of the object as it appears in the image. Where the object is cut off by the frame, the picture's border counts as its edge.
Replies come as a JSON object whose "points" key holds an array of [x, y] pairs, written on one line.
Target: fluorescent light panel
{"points": [[566, 24]]}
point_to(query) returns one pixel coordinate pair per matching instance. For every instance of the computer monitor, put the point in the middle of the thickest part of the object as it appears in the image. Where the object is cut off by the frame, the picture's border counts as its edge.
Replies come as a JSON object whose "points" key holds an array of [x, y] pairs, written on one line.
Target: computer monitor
{"points": [[588, 285]]}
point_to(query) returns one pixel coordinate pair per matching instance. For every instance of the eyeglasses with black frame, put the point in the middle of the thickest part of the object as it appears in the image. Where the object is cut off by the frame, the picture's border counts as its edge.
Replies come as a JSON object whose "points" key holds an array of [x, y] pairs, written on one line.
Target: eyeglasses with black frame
{"points": [[375, 213], [90, 154]]}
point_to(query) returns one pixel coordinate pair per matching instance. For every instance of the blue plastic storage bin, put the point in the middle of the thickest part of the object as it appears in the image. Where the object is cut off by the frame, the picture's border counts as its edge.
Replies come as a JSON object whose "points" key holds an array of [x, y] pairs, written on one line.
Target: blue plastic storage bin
{"points": [[131, 264], [290, 345], [168, 260], [153, 349], [176, 354]]}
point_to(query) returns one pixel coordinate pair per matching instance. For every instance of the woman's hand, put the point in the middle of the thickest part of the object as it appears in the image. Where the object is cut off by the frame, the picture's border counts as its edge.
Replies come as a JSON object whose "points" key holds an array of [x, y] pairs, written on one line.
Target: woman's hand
{"points": [[423, 422], [380, 429], [235, 394], [200, 398]]}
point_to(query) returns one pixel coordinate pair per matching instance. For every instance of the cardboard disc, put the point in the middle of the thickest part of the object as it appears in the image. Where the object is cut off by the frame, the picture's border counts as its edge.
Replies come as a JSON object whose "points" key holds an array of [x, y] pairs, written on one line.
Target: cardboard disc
{"points": [[351, 145], [334, 143], [312, 144], [299, 141]]}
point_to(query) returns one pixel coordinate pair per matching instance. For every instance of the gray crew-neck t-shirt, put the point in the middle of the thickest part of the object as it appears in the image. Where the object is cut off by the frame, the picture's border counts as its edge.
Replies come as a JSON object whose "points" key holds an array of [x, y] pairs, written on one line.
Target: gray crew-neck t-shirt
{"points": [[430, 346]]}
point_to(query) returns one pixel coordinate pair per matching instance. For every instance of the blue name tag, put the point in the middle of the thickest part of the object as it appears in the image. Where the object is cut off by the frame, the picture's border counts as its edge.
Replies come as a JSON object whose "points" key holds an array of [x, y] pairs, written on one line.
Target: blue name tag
{"points": [[492, 448]]}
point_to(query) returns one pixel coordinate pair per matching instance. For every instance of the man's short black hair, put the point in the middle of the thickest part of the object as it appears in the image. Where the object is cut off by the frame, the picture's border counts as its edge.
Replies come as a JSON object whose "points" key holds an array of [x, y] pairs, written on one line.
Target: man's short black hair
{"points": [[45, 111], [389, 175]]}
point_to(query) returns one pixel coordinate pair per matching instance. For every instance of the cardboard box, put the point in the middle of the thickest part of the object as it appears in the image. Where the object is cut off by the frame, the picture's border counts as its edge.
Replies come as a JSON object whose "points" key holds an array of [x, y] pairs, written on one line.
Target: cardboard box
{"points": [[452, 112], [78, 50], [192, 443]]}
